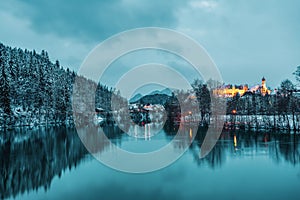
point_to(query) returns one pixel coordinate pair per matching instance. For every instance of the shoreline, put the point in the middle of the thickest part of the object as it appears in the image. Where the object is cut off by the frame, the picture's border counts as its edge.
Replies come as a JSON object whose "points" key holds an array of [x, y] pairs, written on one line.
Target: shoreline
{"points": [[256, 123]]}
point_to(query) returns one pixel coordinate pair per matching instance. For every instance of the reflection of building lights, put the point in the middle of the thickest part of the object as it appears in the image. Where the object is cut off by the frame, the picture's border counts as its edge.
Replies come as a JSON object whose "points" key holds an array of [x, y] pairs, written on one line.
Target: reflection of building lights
{"points": [[266, 139], [234, 141], [149, 130], [191, 133]]}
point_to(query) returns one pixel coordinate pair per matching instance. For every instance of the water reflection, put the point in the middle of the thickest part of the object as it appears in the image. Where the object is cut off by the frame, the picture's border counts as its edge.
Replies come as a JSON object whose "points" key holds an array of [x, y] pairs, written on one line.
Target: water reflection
{"points": [[30, 159], [276, 146]]}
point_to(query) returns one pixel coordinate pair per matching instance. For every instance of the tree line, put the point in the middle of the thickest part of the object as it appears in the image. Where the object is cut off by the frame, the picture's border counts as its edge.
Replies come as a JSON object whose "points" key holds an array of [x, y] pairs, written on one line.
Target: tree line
{"points": [[35, 90], [279, 110]]}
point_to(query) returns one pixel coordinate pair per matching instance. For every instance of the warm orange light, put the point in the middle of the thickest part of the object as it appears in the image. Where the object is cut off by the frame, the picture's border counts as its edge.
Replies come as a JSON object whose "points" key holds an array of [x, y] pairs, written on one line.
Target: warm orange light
{"points": [[234, 141], [191, 133], [233, 111], [231, 91], [190, 112]]}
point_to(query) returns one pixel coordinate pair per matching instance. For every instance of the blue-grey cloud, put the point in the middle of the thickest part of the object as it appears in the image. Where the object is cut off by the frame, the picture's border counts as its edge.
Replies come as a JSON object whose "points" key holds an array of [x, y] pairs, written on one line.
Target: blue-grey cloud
{"points": [[95, 20], [246, 39]]}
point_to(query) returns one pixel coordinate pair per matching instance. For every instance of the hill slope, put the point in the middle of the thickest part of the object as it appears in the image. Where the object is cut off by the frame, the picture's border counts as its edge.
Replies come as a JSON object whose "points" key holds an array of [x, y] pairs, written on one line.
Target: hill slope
{"points": [[36, 91]]}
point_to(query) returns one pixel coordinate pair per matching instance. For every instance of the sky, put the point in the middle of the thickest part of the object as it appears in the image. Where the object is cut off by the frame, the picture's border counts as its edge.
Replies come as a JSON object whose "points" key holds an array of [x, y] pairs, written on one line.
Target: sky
{"points": [[246, 39]]}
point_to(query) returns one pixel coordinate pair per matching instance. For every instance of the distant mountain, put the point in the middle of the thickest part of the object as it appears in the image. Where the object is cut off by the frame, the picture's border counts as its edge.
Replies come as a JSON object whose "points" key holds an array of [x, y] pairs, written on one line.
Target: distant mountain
{"points": [[155, 97], [135, 98], [154, 92], [166, 91]]}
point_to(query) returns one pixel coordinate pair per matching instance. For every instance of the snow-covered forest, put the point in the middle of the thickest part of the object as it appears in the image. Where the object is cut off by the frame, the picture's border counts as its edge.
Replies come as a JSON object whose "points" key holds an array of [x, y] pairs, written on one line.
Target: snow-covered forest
{"points": [[277, 111], [35, 90], [30, 159]]}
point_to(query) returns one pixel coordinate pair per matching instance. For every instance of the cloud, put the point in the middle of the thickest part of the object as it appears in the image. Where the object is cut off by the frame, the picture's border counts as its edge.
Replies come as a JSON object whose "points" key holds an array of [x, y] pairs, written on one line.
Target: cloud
{"points": [[257, 37], [247, 39], [95, 20], [17, 33], [209, 5], [69, 30]]}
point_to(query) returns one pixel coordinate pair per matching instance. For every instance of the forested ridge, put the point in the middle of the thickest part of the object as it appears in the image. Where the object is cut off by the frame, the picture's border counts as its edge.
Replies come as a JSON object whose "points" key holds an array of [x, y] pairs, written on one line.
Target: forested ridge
{"points": [[35, 90]]}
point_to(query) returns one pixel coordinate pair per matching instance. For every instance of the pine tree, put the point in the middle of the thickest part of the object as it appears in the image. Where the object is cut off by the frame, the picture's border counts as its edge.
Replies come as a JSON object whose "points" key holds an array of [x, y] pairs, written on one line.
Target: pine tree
{"points": [[205, 101], [297, 74], [33, 89], [41, 94], [5, 91]]}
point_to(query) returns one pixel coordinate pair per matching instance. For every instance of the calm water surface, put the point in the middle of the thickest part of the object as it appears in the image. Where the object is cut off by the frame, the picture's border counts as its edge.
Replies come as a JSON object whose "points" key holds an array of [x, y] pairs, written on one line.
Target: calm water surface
{"points": [[52, 163]]}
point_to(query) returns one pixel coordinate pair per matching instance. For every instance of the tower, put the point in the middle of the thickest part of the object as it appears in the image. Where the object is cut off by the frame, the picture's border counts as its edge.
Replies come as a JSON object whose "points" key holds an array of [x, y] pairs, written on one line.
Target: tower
{"points": [[263, 82], [263, 86]]}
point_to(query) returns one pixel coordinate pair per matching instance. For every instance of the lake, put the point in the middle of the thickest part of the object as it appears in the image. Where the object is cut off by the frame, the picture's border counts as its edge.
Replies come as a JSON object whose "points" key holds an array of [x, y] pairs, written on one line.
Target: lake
{"points": [[52, 163]]}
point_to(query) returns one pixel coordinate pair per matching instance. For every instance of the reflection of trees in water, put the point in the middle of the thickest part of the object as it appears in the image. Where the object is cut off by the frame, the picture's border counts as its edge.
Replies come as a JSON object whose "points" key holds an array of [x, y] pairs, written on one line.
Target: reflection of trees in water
{"points": [[97, 139], [30, 159], [170, 128], [277, 146], [288, 148], [215, 158]]}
